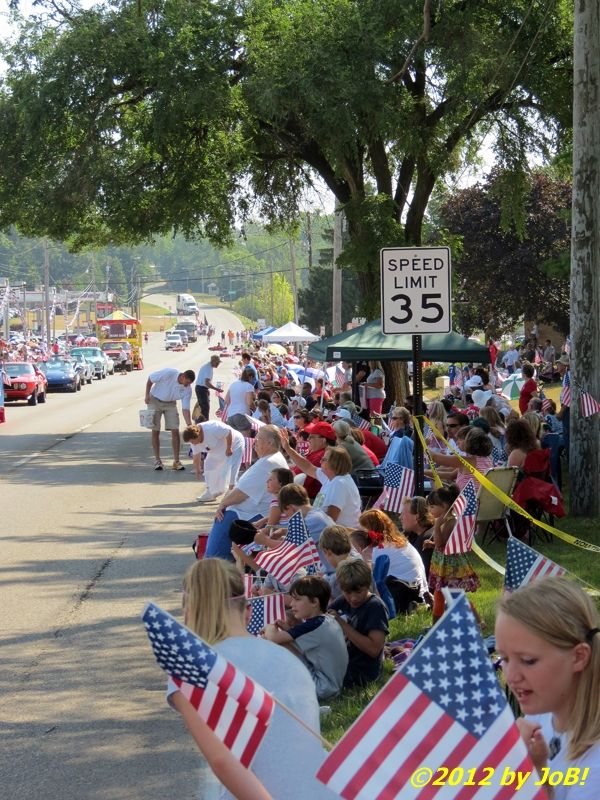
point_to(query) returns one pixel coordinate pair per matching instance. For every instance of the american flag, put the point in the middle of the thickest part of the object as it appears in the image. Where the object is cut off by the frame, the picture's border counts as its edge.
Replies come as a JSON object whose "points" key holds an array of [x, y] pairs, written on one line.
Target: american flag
{"points": [[448, 691], [546, 405], [255, 424], [361, 423], [588, 405], [265, 610], [398, 483], [524, 564], [565, 395], [465, 508], [498, 456], [248, 450], [223, 407], [235, 708], [248, 584], [297, 550], [339, 377]]}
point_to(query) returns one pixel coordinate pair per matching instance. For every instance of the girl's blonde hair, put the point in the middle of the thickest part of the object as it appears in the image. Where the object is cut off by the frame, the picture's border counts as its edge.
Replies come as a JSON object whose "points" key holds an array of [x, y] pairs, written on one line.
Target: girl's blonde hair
{"points": [[212, 588], [436, 412], [375, 520], [561, 613], [494, 420], [534, 422]]}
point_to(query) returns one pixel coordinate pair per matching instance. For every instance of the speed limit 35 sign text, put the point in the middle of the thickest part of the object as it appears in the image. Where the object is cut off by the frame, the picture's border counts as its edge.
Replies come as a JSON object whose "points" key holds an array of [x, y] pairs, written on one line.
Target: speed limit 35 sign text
{"points": [[415, 290]]}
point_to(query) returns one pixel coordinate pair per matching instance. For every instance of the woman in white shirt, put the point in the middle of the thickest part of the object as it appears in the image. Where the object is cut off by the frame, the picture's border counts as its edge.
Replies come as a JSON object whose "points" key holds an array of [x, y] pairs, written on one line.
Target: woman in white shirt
{"points": [[339, 497], [548, 637], [375, 387], [406, 577], [240, 400]]}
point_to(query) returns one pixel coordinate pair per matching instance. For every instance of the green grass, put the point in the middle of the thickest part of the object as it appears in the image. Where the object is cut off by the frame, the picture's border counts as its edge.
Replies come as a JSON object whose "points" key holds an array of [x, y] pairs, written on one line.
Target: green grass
{"points": [[580, 563], [155, 318]]}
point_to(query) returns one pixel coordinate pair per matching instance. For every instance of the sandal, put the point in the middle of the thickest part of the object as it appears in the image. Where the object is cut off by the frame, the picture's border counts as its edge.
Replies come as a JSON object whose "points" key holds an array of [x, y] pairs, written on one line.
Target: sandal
{"points": [[178, 466], [158, 465]]}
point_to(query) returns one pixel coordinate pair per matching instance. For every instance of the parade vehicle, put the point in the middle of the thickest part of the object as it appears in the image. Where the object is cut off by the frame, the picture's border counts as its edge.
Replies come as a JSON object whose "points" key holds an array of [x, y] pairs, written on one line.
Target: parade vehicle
{"points": [[120, 327], [27, 382], [96, 358], [189, 327], [121, 354], [183, 333], [61, 373], [186, 304], [173, 341], [86, 369]]}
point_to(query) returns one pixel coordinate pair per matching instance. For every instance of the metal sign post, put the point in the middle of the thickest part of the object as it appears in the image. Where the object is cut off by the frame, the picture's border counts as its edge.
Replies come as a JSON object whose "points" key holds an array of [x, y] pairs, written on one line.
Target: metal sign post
{"points": [[416, 299]]}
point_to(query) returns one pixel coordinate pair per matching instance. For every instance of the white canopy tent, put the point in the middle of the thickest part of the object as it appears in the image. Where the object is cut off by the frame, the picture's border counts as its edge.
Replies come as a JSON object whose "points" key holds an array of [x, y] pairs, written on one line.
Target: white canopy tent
{"points": [[290, 332]]}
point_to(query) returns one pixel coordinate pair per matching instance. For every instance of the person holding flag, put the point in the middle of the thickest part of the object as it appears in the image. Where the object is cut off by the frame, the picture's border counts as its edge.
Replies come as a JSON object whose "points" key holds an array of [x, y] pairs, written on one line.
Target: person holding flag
{"points": [[548, 637], [452, 571], [216, 609]]}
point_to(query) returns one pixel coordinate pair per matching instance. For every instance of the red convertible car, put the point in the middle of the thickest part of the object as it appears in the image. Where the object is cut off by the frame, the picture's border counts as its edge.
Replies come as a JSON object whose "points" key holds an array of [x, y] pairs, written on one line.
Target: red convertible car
{"points": [[27, 382]]}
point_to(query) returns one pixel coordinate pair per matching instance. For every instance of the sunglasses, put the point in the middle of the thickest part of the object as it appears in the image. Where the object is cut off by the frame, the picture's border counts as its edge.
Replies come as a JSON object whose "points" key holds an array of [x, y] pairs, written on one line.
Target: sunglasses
{"points": [[297, 417], [453, 425]]}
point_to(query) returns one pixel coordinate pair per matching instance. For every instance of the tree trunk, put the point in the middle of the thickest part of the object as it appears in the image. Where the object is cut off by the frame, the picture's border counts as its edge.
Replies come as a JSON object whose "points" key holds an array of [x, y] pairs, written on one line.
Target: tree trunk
{"points": [[584, 457]]}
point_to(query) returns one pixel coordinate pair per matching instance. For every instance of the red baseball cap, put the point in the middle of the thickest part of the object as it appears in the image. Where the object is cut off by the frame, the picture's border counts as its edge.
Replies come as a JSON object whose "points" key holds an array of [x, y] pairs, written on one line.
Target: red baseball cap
{"points": [[323, 429]]}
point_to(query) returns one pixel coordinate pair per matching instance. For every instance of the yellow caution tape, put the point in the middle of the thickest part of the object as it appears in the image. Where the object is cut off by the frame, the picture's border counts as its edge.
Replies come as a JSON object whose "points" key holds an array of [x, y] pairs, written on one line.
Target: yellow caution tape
{"points": [[487, 559], [436, 478], [504, 498]]}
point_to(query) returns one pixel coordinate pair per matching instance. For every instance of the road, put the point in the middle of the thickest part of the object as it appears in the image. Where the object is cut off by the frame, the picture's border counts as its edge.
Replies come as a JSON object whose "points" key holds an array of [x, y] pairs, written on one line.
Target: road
{"points": [[90, 533]]}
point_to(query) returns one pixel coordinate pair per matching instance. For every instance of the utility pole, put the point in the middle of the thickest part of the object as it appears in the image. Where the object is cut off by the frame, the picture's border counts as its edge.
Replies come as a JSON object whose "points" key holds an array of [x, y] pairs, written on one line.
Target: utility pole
{"points": [[336, 305], [47, 290], [584, 460], [272, 292], [294, 279]]}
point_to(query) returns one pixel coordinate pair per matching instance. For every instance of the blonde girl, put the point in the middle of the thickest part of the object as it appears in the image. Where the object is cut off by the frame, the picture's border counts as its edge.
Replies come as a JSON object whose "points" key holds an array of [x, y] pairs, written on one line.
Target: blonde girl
{"points": [[216, 610], [548, 636]]}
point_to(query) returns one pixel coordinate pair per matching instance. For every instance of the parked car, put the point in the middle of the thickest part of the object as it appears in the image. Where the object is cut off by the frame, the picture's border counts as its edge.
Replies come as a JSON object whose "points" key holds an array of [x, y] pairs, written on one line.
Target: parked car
{"points": [[86, 369], [96, 357], [61, 373], [28, 382], [173, 341]]}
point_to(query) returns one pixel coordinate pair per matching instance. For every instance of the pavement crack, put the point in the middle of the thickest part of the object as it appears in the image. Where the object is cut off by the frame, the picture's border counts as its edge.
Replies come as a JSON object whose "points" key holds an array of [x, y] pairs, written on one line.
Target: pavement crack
{"points": [[88, 589]]}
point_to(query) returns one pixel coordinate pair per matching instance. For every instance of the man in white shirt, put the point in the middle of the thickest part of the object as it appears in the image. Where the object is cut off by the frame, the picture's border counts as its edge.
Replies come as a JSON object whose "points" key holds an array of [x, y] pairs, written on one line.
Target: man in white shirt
{"points": [[510, 358], [204, 383], [163, 389]]}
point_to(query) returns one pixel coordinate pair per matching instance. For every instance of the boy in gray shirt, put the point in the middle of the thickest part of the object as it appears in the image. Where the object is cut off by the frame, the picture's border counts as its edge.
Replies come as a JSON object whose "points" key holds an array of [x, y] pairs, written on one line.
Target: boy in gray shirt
{"points": [[319, 643]]}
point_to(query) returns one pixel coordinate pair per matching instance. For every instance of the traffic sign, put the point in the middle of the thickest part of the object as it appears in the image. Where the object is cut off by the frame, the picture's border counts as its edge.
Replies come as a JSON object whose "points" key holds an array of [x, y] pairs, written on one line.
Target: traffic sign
{"points": [[416, 294]]}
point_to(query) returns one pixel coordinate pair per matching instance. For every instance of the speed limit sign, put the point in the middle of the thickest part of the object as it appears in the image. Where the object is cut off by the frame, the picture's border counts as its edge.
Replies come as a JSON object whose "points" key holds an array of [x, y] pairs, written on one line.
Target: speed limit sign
{"points": [[416, 290]]}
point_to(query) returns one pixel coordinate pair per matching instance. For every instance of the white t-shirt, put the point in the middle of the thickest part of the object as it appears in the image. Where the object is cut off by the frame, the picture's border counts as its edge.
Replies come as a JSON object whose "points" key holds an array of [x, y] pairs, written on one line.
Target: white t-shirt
{"points": [[372, 392], [286, 771], [205, 373], [215, 435], [254, 483], [405, 564], [342, 493], [167, 388], [237, 398], [591, 759]]}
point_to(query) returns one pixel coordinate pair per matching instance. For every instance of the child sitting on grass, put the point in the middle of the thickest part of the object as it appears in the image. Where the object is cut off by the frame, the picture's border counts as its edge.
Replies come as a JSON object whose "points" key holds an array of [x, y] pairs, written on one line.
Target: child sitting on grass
{"points": [[363, 618], [315, 638], [335, 547]]}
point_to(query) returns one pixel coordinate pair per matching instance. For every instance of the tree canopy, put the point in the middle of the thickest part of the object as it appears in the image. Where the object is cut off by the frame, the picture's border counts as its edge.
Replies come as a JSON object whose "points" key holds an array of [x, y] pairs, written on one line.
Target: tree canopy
{"points": [[504, 274], [128, 120]]}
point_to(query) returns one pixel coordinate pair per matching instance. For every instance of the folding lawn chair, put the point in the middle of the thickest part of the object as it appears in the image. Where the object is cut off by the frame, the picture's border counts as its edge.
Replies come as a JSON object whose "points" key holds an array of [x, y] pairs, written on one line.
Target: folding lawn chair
{"points": [[493, 511]]}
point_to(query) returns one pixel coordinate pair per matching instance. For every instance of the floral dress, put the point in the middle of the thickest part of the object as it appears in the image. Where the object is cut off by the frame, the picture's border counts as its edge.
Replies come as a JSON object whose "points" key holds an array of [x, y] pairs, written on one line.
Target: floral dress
{"points": [[452, 572]]}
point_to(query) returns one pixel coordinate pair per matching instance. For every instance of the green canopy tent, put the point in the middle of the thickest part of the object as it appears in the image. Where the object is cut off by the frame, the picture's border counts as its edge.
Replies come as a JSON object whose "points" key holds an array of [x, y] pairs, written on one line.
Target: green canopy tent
{"points": [[368, 343]]}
